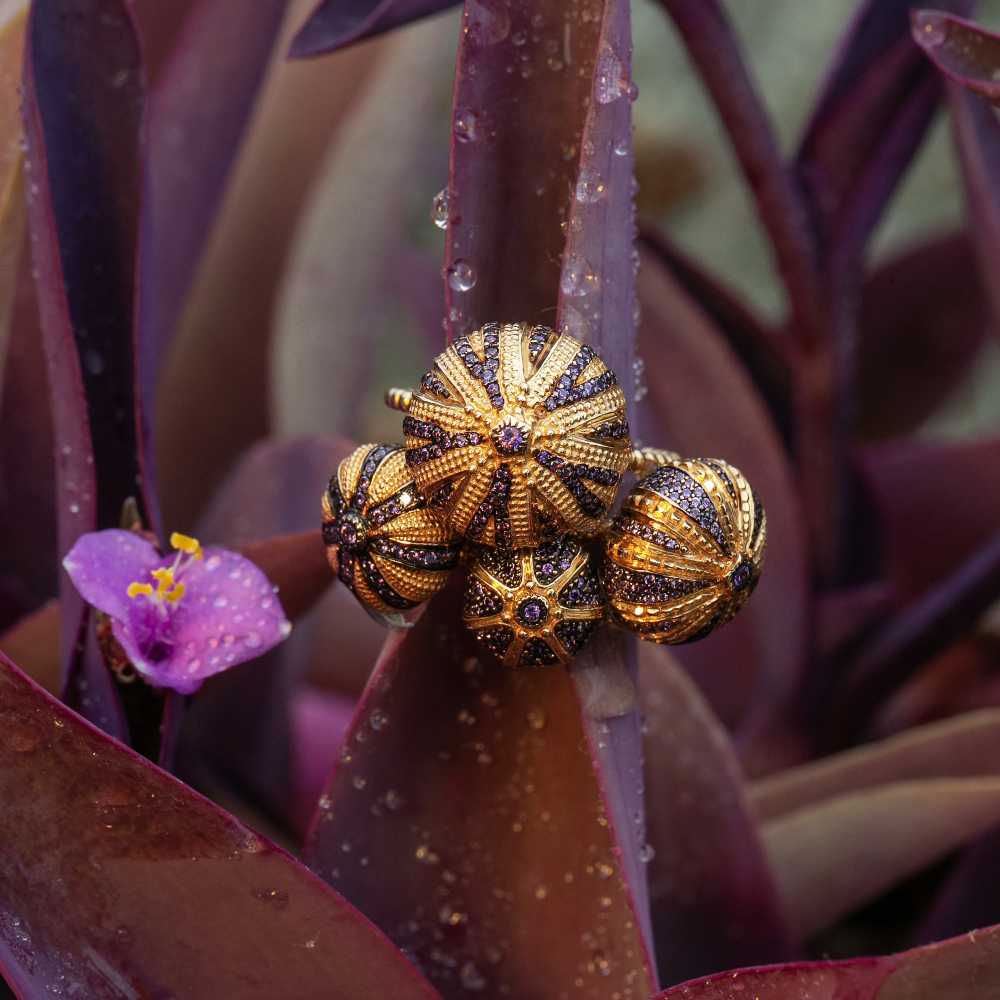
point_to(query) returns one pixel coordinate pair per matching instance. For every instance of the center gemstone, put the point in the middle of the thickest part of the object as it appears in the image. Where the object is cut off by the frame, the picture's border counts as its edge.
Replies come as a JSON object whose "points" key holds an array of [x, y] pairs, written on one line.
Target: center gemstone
{"points": [[532, 612], [510, 439]]}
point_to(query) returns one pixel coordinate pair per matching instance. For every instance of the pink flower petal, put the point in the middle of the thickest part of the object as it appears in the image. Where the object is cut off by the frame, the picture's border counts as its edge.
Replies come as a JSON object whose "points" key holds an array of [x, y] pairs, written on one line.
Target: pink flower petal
{"points": [[229, 614], [102, 564]]}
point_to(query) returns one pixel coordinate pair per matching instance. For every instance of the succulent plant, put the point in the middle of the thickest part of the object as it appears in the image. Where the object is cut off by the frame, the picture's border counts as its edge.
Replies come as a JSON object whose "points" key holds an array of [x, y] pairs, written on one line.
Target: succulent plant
{"points": [[198, 804]]}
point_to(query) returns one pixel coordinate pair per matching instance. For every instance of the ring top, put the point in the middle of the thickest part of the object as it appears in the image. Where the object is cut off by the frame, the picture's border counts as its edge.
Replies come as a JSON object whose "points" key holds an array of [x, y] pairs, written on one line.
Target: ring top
{"points": [[518, 433]]}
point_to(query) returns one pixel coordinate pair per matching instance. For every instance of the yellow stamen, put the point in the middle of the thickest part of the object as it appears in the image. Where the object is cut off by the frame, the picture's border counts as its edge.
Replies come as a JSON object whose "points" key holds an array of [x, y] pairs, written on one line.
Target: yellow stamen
{"points": [[185, 543], [175, 594], [139, 590], [164, 581]]}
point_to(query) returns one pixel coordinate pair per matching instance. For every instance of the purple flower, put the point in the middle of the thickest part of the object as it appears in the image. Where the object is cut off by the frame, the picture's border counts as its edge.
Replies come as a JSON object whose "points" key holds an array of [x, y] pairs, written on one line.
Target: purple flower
{"points": [[179, 618]]}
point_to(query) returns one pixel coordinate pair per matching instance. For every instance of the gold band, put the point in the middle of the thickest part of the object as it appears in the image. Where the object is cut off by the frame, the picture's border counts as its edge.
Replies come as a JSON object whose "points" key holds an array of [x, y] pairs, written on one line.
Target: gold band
{"points": [[399, 399], [644, 460]]}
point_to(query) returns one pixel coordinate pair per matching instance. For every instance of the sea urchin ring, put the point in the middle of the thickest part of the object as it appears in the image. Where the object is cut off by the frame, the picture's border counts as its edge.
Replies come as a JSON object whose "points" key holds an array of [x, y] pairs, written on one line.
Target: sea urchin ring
{"points": [[534, 607], [685, 552], [516, 434], [390, 550]]}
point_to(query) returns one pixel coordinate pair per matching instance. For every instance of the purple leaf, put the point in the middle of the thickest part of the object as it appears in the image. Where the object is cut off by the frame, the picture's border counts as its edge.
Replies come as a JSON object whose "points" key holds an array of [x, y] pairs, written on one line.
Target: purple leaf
{"points": [[906, 368], [832, 857], [473, 786], [551, 243], [27, 465], [33, 642], [964, 968], [714, 901], [762, 353], [169, 895], [715, 51], [843, 615], [963, 51], [335, 23], [977, 137], [868, 121], [910, 484], [83, 98], [963, 747], [195, 121], [704, 404], [941, 615]]}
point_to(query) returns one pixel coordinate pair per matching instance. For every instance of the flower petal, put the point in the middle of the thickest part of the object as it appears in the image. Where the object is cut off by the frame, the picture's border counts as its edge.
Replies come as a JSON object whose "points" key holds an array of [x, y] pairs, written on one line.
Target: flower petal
{"points": [[229, 614], [102, 564]]}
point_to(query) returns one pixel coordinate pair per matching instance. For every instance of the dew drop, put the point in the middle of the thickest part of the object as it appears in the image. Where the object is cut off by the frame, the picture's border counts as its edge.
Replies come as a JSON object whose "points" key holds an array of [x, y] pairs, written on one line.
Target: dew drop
{"points": [[621, 147], [440, 208], [932, 31], [471, 978], [378, 720], [578, 278], [646, 853], [487, 22], [466, 125], [461, 276], [609, 82], [589, 187]]}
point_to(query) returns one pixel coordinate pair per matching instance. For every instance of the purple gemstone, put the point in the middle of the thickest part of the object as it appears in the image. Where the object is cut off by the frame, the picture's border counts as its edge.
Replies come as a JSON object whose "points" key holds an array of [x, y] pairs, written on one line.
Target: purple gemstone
{"points": [[741, 576], [532, 612], [510, 439]]}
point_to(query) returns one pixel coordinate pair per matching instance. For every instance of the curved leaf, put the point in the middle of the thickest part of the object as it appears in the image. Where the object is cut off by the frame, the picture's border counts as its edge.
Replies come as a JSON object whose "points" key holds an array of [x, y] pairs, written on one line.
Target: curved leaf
{"points": [[963, 747], [195, 120], [332, 315], [757, 346], [230, 310], [783, 211], [969, 58], [833, 856], [157, 891], [12, 194], [334, 23], [942, 615], [964, 968], [963, 51], [869, 120], [924, 317], [704, 404], [549, 140], [911, 483], [83, 99], [34, 643], [714, 900], [466, 818]]}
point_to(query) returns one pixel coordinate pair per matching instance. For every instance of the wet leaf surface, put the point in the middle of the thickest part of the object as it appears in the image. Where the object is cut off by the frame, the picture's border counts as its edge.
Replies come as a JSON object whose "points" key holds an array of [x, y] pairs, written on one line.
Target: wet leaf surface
{"points": [[466, 819], [87, 913]]}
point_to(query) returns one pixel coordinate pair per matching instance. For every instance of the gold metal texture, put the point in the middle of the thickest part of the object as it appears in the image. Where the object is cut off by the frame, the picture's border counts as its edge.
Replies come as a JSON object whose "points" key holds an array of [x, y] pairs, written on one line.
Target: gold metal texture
{"points": [[685, 552], [382, 540], [517, 434], [534, 607]]}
